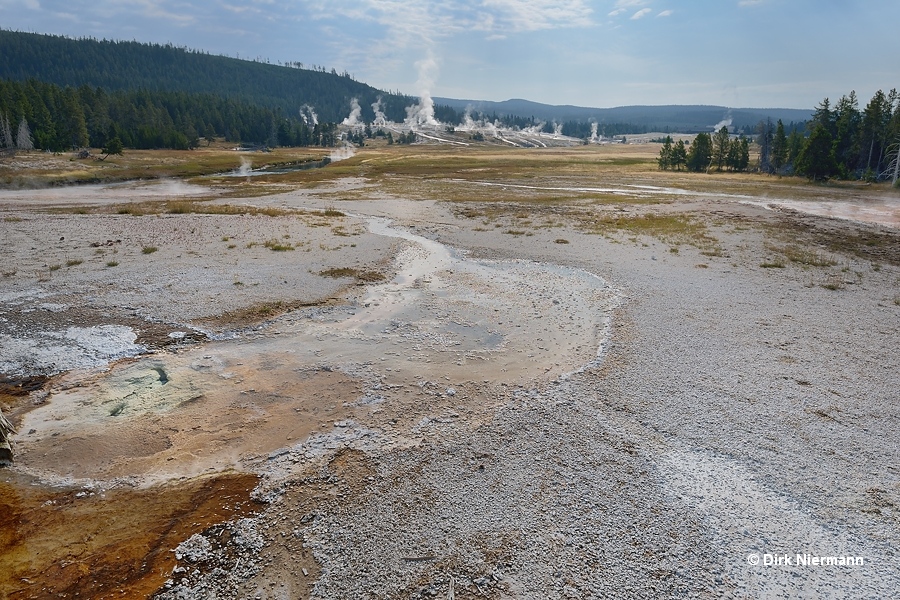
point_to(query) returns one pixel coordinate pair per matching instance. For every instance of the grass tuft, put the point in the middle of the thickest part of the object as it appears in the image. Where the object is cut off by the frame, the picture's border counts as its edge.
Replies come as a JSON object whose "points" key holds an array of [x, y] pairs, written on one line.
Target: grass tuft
{"points": [[276, 246], [149, 249]]}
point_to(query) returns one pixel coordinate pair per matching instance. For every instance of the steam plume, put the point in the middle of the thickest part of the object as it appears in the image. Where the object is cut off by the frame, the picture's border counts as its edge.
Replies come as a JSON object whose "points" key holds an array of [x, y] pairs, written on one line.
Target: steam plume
{"points": [[726, 122], [422, 114], [341, 153], [378, 108], [355, 112], [309, 115]]}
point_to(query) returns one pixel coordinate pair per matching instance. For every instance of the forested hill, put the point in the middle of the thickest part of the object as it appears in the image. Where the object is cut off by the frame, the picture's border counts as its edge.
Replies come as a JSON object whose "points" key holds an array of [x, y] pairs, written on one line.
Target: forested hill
{"points": [[114, 65]]}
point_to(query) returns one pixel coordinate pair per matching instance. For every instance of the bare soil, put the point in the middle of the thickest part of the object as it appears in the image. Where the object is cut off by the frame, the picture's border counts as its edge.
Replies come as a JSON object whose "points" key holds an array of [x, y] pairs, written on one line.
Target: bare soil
{"points": [[513, 374]]}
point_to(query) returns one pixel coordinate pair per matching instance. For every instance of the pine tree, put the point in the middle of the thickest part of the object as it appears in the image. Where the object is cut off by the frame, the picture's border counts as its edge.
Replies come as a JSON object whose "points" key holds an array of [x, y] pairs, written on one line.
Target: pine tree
{"points": [[6, 138], [816, 160], [779, 147], [698, 156], [720, 148], [23, 138], [744, 157], [847, 120], [764, 139], [679, 155], [665, 155]]}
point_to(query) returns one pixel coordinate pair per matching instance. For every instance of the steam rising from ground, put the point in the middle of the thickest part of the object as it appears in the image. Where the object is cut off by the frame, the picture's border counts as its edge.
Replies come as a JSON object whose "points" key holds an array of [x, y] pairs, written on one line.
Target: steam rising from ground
{"points": [[309, 115], [341, 153], [726, 122], [378, 108], [422, 114], [421, 120], [355, 114]]}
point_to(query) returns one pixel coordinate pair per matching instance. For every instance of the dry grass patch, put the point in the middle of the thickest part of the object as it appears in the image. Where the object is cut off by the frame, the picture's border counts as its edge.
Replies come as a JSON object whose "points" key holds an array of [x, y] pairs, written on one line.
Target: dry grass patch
{"points": [[259, 312], [671, 229], [277, 246], [774, 264], [363, 276], [803, 256]]}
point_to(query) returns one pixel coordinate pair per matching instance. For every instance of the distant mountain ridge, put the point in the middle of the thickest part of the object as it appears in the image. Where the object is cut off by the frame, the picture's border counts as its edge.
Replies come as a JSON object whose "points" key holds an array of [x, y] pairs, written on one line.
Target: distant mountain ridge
{"points": [[683, 118], [128, 66]]}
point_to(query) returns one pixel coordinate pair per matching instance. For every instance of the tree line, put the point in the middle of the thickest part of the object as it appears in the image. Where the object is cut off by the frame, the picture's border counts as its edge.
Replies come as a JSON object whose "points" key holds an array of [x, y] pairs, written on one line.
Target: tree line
{"points": [[841, 142], [61, 118], [719, 151]]}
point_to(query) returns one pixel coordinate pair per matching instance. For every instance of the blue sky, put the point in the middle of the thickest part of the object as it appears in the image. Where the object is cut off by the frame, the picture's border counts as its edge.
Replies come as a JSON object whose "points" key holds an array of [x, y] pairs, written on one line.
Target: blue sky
{"points": [[739, 53]]}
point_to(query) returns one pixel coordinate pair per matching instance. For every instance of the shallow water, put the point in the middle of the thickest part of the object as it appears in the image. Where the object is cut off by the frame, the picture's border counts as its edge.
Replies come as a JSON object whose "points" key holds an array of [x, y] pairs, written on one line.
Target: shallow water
{"points": [[874, 210], [443, 318], [878, 211]]}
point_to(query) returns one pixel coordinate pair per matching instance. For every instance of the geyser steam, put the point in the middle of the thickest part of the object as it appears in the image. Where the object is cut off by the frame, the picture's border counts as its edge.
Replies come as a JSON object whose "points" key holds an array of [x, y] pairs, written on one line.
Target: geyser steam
{"points": [[422, 114], [309, 115], [355, 113], [378, 108]]}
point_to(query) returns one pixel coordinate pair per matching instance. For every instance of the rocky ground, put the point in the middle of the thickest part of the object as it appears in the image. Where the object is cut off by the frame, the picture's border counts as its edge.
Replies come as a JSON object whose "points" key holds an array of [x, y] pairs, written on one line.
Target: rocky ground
{"points": [[452, 431]]}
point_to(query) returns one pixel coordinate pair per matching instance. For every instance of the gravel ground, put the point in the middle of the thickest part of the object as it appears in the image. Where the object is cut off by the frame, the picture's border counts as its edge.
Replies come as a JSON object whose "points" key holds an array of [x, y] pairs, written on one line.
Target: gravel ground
{"points": [[738, 413]]}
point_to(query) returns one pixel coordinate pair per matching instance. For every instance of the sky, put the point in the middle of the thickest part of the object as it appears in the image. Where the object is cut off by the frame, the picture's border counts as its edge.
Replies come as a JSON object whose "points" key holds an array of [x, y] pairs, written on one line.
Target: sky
{"points": [[603, 53]]}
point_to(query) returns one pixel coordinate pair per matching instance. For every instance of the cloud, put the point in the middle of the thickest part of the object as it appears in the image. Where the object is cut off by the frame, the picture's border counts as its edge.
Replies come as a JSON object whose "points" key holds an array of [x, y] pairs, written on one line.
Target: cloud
{"points": [[534, 15], [641, 14], [666, 13], [427, 20]]}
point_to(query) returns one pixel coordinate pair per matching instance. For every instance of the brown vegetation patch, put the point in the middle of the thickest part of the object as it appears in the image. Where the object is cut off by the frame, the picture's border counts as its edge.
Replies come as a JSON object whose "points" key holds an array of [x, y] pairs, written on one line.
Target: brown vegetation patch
{"points": [[363, 276], [262, 311], [113, 544], [868, 242]]}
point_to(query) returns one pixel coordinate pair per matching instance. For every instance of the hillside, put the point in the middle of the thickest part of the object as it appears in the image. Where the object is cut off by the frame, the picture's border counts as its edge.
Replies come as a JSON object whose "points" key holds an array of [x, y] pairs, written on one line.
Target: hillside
{"points": [[116, 65]]}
